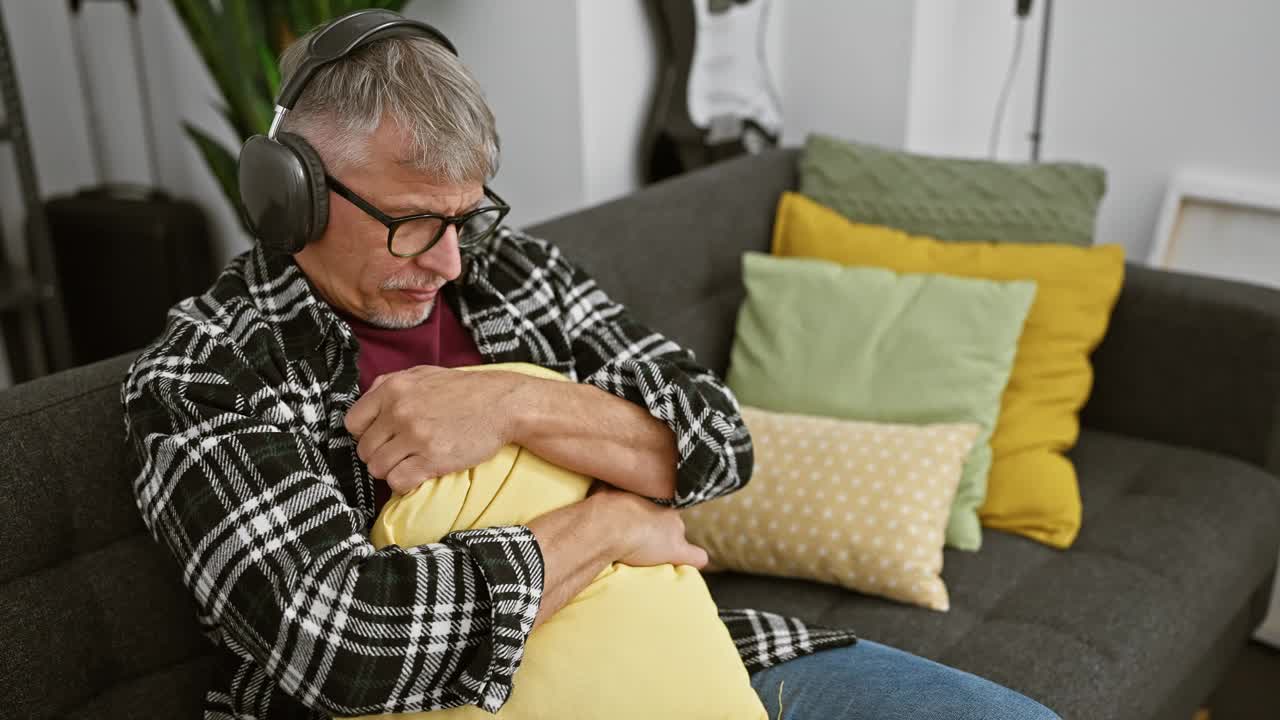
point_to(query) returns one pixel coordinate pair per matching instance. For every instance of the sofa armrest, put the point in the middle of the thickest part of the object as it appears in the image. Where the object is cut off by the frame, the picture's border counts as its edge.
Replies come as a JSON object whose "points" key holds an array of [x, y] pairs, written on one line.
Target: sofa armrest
{"points": [[1192, 360]]}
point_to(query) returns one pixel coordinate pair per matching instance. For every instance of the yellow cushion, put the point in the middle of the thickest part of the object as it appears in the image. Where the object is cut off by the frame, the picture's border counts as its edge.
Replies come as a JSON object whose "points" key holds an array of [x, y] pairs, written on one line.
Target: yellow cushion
{"points": [[638, 642], [1032, 488], [858, 504]]}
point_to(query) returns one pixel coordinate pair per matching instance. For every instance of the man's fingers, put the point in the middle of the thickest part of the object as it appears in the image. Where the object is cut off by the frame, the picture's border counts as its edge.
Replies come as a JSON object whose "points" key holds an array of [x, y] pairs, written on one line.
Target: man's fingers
{"points": [[698, 557], [388, 455], [372, 440], [408, 474], [365, 410]]}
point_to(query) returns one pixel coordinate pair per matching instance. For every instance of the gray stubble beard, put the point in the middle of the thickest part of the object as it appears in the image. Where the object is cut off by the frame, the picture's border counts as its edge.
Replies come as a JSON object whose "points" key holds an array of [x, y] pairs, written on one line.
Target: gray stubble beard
{"points": [[391, 321]]}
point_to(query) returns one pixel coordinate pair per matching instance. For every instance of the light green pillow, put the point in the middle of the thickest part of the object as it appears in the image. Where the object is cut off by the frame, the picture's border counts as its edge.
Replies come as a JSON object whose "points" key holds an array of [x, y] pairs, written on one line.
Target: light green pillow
{"points": [[954, 198], [861, 343]]}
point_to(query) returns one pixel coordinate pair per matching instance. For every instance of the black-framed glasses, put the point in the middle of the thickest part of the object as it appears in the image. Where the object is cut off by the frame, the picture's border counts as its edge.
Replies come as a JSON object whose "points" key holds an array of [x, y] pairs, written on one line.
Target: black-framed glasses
{"points": [[415, 234]]}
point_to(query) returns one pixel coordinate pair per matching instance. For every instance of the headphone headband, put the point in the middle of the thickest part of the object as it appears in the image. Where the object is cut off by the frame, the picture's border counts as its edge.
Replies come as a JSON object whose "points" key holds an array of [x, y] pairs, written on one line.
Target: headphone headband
{"points": [[340, 38]]}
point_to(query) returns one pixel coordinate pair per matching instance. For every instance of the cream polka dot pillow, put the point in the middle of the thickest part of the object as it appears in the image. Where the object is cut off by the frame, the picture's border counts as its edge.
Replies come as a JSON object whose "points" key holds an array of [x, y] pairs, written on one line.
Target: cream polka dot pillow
{"points": [[858, 504]]}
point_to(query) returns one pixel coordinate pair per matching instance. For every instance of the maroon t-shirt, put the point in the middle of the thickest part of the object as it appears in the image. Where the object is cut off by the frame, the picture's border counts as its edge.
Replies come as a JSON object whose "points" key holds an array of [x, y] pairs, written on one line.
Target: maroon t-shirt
{"points": [[441, 341]]}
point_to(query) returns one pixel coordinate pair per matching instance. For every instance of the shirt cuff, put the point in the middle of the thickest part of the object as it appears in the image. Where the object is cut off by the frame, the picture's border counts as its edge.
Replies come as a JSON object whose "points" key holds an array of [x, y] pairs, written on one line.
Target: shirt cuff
{"points": [[511, 562]]}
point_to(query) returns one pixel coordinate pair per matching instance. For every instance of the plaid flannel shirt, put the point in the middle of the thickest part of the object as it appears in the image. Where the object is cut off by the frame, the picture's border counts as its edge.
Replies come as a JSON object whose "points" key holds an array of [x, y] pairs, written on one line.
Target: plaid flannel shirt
{"points": [[251, 481]]}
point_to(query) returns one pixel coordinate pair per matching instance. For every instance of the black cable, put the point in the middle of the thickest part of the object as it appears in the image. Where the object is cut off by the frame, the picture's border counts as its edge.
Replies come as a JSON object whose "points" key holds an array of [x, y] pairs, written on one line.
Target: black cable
{"points": [[1002, 103], [1037, 124]]}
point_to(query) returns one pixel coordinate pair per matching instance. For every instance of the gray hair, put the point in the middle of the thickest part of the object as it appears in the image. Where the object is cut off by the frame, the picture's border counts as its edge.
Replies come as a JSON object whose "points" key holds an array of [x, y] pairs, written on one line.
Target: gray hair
{"points": [[450, 132]]}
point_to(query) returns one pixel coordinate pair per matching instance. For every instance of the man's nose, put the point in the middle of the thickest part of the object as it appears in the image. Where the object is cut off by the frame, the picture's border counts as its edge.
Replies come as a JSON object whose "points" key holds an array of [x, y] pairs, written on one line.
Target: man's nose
{"points": [[444, 258]]}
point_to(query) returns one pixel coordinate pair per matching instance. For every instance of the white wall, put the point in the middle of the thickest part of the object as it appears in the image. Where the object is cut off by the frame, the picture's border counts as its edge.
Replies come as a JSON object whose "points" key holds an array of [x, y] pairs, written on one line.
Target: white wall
{"points": [[617, 76], [845, 68], [1202, 91], [1140, 87], [961, 51], [49, 85]]}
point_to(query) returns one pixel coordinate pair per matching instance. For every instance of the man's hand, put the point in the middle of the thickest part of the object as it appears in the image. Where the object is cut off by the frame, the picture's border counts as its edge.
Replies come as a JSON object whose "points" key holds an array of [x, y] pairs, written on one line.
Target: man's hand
{"points": [[577, 542], [652, 534], [428, 421]]}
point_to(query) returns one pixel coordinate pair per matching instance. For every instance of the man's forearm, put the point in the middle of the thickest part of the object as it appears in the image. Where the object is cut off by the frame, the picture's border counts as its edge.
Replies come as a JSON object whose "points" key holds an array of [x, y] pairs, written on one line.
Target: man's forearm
{"points": [[590, 431], [577, 542]]}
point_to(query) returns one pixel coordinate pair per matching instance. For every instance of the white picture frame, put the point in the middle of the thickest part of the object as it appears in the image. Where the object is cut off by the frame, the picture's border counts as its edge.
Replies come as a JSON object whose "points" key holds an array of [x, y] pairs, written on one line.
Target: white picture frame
{"points": [[1251, 203], [1222, 224]]}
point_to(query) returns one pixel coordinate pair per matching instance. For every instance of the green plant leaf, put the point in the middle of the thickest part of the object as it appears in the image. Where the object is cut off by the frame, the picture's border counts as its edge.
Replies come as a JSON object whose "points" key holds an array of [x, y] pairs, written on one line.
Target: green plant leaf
{"points": [[275, 18], [270, 70], [300, 17], [206, 28], [227, 115]]}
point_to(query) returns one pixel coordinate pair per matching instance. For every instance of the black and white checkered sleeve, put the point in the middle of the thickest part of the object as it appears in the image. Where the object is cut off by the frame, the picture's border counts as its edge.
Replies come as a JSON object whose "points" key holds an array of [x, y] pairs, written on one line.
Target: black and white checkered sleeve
{"points": [[278, 561], [765, 639], [614, 352]]}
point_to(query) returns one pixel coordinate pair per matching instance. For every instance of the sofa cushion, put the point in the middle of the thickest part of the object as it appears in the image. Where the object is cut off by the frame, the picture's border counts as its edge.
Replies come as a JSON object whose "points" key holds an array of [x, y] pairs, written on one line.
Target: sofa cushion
{"points": [[96, 621], [1098, 631], [863, 505], [965, 199]]}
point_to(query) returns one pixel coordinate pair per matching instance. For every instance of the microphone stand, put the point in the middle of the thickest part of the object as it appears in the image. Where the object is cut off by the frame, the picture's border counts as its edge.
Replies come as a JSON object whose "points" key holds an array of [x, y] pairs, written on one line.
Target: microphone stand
{"points": [[1038, 121]]}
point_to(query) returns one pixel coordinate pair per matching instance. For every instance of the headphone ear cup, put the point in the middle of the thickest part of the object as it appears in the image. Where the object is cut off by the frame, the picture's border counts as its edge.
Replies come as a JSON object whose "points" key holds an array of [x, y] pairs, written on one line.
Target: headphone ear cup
{"points": [[283, 190], [317, 187]]}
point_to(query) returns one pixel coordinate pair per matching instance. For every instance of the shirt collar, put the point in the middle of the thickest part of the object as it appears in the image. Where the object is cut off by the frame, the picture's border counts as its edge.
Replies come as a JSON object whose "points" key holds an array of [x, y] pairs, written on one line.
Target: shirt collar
{"points": [[283, 294]]}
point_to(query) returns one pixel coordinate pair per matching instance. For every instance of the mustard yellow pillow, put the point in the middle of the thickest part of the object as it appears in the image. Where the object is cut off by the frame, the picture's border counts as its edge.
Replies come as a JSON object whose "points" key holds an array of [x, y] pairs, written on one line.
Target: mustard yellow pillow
{"points": [[1032, 488], [858, 504], [631, 629]]}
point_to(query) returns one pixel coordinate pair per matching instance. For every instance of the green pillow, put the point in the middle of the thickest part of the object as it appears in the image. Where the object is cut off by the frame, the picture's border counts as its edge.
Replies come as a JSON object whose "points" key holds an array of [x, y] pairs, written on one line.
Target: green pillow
{"points": [[954, 199], [860, 343]]}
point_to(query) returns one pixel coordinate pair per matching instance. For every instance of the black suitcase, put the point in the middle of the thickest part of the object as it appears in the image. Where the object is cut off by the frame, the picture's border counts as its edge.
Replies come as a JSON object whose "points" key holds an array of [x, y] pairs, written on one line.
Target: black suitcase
{"points": [[124, 254], [123, 257]]}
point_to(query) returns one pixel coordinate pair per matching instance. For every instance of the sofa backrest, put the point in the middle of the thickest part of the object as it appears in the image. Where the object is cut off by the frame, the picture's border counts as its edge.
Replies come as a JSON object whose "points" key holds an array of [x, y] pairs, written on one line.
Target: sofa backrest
{"points": [[672, 252], [94, 620]]}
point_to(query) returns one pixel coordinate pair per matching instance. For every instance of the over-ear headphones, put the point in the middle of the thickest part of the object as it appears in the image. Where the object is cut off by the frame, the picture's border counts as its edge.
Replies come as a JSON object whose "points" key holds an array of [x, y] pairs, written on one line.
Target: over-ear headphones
{"points": [[282, 183]]}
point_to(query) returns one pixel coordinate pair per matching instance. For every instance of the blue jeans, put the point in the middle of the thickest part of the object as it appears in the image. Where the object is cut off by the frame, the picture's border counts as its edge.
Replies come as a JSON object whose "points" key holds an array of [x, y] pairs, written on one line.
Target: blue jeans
{"points": [[876, 682]]}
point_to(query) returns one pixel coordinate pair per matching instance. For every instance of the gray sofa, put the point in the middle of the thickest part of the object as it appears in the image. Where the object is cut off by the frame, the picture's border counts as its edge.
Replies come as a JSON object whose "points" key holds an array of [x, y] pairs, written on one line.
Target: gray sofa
{"points": [[1178, 464]]}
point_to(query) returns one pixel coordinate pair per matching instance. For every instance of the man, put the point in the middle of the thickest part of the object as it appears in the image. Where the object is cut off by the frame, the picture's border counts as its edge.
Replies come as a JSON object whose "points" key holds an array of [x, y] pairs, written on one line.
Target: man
{"points": [[277, 412]]}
